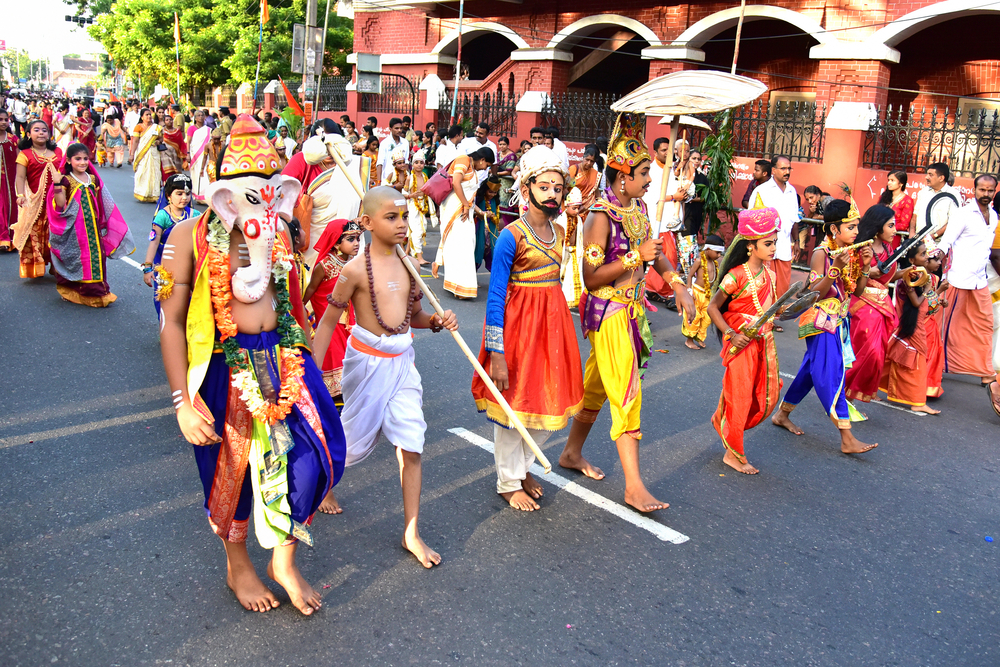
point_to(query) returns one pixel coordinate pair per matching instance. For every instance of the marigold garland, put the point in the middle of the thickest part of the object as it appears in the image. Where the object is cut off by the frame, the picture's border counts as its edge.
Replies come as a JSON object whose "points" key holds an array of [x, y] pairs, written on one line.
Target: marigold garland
{"points": [[853, 269], [237, 358]]}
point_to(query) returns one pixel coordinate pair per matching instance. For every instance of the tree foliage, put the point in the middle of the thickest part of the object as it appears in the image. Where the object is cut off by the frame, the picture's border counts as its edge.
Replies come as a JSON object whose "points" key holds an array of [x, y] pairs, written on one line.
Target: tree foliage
{"points": [[717, 148], [30, 68], [218, 40]]}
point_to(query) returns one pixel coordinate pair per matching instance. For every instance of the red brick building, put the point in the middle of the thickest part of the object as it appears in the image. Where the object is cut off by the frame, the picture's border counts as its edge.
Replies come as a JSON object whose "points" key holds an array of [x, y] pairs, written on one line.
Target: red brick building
{"points": [[835, 67]]}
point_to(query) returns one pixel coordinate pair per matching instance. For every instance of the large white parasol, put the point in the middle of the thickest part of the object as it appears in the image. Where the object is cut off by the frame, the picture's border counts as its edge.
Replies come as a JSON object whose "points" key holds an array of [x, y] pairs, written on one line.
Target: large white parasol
{"points": [[687, 92]]}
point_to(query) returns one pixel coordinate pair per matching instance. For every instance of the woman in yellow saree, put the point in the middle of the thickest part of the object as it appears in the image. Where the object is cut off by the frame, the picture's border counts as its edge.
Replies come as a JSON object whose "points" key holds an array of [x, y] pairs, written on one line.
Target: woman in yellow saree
{"points": [[145, 158]]}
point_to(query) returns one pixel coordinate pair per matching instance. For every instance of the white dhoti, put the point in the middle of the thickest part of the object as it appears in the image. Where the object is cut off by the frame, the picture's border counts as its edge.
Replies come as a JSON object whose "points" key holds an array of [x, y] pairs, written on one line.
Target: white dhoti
{"points": [[333, 198], [382, 394], [513, 456]]}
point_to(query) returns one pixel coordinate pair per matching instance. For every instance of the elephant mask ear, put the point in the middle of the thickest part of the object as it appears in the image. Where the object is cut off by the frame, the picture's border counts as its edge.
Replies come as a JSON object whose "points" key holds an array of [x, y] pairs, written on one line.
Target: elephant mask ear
{"points": [[220, 193], [290, 189]]}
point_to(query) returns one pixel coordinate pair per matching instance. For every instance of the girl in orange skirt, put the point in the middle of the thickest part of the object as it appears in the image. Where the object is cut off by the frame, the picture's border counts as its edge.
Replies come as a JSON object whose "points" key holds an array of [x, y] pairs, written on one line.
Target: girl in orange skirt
{"points": [[904, 378], [935, 311], [751, 385]]}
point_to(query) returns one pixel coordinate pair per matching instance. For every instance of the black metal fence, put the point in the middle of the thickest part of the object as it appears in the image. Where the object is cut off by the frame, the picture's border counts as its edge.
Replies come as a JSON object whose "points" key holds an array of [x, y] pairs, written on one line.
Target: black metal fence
{"points": [[333, 93], [227, 98], [498, 110], [280, 99], [580, 116], [967, 141], [399, 96], [795, 129]]}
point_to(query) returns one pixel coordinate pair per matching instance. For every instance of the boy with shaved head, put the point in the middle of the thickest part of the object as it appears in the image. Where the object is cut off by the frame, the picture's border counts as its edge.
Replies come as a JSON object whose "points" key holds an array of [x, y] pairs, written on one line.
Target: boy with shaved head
{"points": [[382, 391]]}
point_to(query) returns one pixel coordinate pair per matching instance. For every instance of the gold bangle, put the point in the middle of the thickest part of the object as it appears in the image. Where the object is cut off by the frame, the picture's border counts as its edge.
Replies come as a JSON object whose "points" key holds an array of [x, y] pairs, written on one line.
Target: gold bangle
{"points": [[676, 279], [594, 254], [631, 260]]}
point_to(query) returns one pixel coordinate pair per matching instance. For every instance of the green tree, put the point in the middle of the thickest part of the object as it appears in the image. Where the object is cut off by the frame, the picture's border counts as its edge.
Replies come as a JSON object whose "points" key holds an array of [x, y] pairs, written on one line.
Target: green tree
{"points": [[30, 68], [717, 148], [218, 40]]}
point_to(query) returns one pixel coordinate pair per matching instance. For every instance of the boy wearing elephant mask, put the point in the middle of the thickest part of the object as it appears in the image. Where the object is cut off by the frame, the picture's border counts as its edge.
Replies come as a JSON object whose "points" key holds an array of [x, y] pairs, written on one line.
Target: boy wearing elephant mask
{"points": [[247, 392]]}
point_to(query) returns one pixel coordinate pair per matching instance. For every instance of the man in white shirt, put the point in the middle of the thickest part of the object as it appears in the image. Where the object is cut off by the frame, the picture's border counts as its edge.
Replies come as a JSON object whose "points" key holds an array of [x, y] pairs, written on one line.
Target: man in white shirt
{"points": [[967, 326], [19, 112], [383, 163], [671, 216], [558, 146], [479, 140], [937, 182], [779, 194], [448, 150], [132, 118]]}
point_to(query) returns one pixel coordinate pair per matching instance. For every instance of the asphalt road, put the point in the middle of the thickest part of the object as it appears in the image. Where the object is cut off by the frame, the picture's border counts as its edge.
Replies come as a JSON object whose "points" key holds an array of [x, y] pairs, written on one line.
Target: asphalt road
{"points": [[822, 559]]}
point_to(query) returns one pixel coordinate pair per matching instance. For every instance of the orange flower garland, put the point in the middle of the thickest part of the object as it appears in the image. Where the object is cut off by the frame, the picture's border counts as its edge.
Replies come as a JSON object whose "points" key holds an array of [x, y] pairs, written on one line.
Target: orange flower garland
{"points": [[242, 376]]}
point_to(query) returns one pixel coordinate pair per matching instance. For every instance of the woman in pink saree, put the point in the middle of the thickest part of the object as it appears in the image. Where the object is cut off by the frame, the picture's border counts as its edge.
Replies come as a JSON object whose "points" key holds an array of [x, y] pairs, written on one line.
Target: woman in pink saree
{"points": [[873, 315], [85, 227]]}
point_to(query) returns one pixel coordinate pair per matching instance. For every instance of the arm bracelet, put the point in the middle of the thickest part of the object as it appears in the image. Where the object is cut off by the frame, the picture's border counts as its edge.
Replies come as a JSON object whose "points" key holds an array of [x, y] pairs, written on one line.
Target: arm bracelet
{"points": [[631, 260], [834, 273], [594, 254]]}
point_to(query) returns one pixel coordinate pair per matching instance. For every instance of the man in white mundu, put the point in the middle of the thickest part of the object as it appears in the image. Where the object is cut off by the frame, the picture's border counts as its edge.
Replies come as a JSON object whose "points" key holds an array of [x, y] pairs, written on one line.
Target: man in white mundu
{"points": [[669, 188]]}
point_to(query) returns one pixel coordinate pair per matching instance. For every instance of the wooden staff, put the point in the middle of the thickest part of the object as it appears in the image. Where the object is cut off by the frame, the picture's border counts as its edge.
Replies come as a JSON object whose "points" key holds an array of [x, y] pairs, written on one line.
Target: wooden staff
{"points": [[432, 299]]}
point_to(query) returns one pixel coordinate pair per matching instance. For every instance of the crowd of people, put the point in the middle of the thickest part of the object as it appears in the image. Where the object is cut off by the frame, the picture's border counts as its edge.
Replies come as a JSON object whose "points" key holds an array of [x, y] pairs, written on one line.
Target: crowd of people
{"points": [[279, 250]]}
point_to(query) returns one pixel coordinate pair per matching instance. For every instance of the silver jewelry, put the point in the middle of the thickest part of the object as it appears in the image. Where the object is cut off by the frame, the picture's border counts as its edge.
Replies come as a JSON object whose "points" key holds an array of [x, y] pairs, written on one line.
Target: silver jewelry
{"points": [[548, 245]]}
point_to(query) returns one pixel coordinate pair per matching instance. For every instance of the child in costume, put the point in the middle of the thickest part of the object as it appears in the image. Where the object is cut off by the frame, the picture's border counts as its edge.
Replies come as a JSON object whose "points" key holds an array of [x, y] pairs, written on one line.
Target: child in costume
{"points": [[750, 386], [382, 390], [529, 345], [904, 379], [421, 209], [702, 275], [100, 152], [824, 326], [85, 228], [338, 244], [572, 261], [486, 214], [873, 317], [396, 179], [247, 392], [176, 202], [936, 303], [618, 243]]}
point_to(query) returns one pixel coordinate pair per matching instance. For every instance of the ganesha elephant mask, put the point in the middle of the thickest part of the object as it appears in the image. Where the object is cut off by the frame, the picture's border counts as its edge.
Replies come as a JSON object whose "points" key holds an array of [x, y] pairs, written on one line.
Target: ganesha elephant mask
{"points": [[254, 205]]}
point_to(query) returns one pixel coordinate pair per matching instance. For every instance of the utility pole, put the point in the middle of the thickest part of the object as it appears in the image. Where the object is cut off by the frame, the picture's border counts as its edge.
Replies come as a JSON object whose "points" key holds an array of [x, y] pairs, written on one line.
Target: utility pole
{"points": [[307, 80], [319, 79], [458, 65]]}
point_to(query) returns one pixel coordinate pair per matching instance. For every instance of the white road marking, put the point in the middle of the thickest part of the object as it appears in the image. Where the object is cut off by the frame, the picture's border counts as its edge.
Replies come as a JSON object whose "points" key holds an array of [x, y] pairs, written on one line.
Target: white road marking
{"points": [[15, 440], [132, 262], [664, 533], [875, 402]]}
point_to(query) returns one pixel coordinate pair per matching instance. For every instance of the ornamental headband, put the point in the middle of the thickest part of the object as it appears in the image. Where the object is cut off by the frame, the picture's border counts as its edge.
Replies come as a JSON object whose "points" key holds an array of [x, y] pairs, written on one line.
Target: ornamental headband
{"points": [[627, 145], [757, 223]]}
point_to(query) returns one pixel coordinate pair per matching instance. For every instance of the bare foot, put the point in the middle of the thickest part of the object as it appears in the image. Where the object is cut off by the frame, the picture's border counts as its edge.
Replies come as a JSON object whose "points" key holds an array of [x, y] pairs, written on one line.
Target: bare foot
{"points": [[643, 501], [778, 329], [701, 344], [532, 487], [249, 589], [330, 504], [434, 270], [925, 409], [422, 262], [580, 464], [691, 345], [782, 419], [427, 556], [520, 500], [303, 596], [851, 445], [734, 462]]}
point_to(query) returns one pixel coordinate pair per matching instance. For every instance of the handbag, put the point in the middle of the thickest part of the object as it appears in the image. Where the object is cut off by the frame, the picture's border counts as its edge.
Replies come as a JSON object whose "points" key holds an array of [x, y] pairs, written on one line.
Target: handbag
{"points": [[438, 186]]}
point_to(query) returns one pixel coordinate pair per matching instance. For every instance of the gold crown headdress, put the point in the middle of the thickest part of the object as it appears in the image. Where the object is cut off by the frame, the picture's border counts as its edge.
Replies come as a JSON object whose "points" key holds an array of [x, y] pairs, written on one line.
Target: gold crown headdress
{"points": [[627, 145]]}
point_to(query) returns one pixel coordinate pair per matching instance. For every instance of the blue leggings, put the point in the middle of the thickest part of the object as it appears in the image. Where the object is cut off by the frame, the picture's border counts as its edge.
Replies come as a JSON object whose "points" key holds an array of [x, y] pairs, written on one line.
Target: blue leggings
{"points": [[822, 368]]}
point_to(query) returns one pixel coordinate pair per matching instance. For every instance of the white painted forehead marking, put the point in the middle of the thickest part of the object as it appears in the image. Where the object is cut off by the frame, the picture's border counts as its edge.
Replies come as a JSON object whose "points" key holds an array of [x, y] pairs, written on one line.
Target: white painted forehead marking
{"points": [[399, 202]]}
